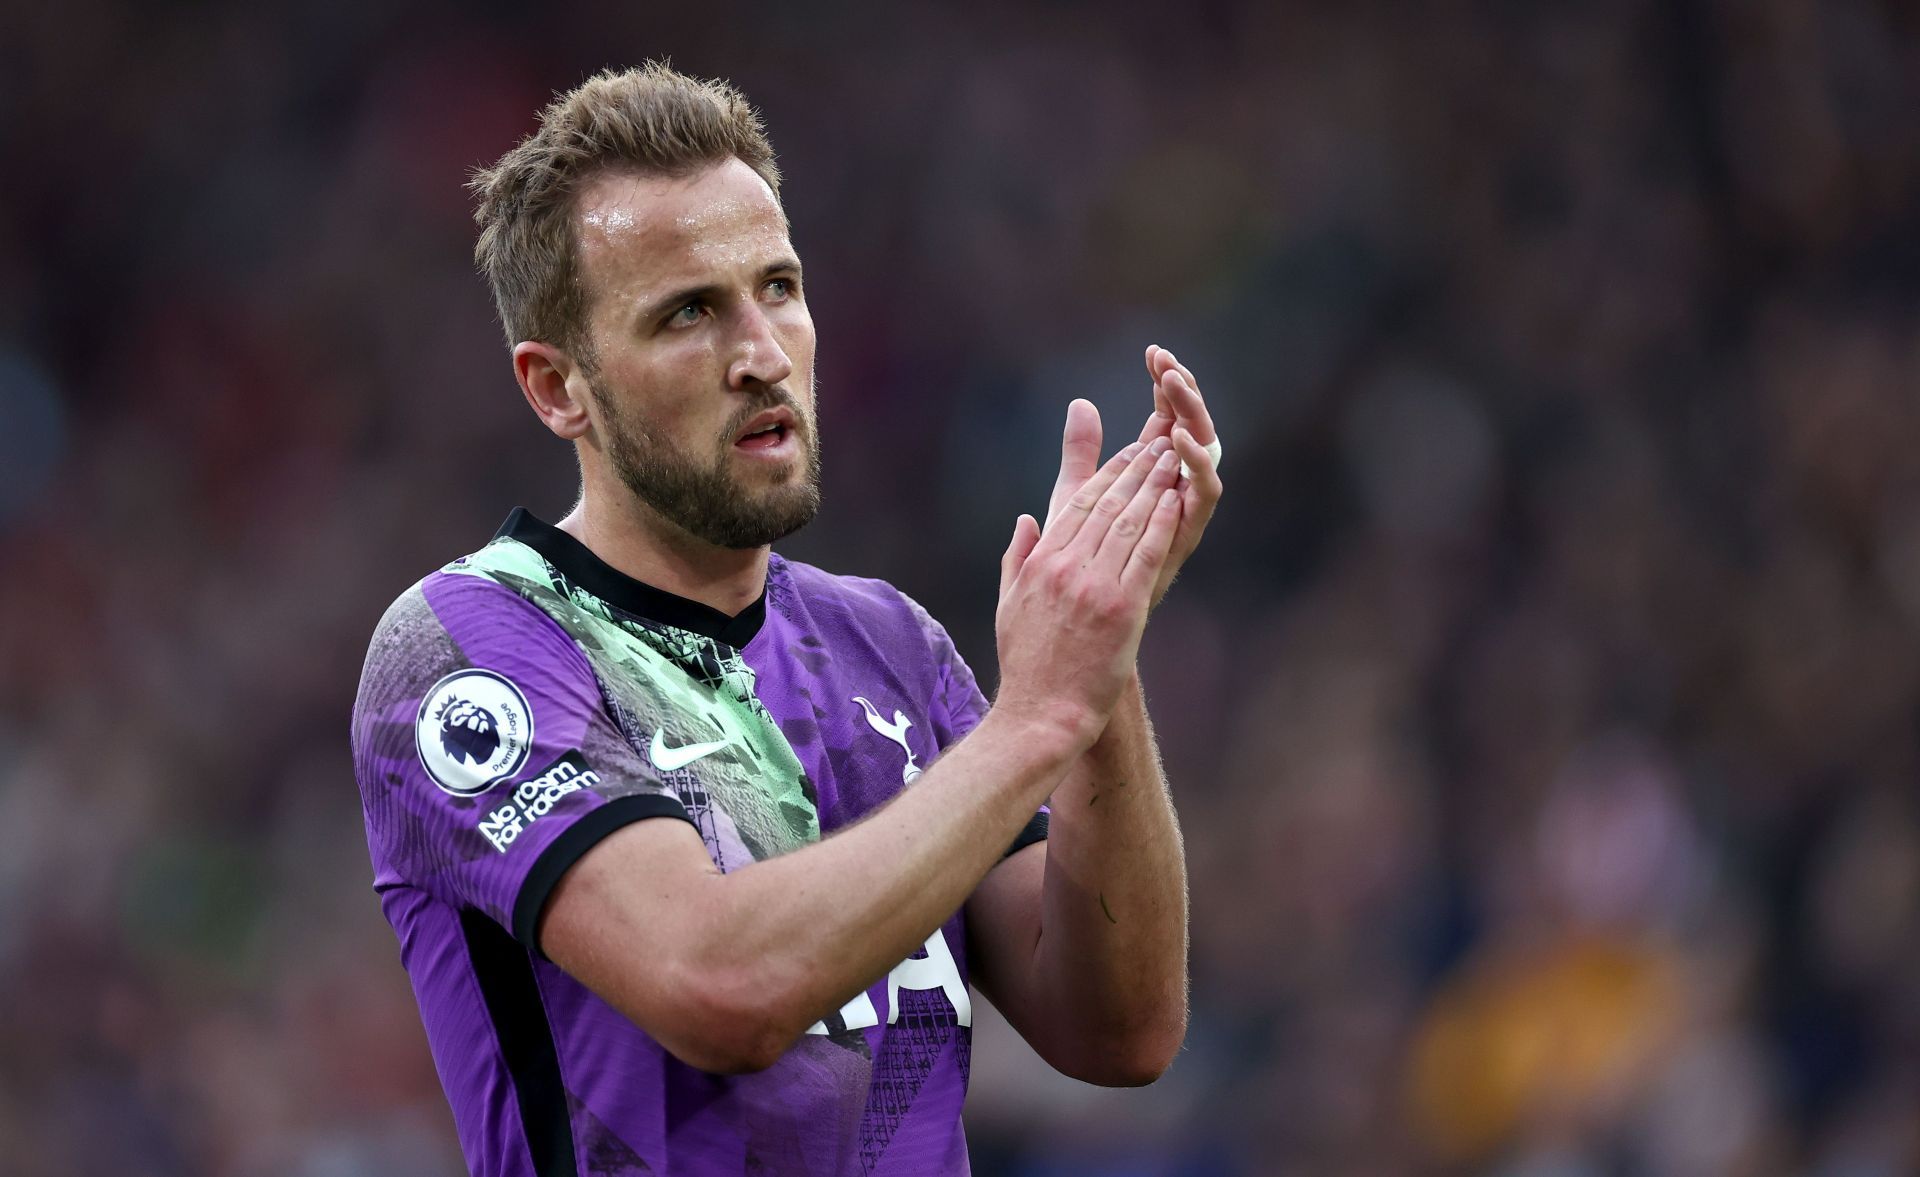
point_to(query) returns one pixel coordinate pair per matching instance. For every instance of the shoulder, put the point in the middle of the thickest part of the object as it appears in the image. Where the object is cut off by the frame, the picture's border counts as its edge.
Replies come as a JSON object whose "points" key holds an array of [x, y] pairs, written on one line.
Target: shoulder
{"points": [[453, 620], [503, 583], [865, 601], [431, 615], [819, 585]]}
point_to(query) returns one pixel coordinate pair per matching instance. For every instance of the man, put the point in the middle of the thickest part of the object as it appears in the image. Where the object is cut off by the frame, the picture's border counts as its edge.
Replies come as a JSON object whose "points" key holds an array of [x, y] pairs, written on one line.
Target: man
{"points": [[775, 977]]}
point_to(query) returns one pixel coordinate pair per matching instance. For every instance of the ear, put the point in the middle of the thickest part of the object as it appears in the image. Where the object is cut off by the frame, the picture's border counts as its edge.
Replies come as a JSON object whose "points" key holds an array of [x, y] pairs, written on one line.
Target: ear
{"points": [[554, 385]]}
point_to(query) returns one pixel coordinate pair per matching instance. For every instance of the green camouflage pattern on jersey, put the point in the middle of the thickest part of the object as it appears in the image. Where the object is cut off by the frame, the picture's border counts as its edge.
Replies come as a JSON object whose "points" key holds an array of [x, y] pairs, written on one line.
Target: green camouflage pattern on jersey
{"points": [[751, 800]]}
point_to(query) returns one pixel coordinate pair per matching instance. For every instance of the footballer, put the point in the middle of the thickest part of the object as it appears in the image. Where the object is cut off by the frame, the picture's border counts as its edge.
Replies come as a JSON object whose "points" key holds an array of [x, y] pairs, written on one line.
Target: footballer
{"points": [[696, 855]]}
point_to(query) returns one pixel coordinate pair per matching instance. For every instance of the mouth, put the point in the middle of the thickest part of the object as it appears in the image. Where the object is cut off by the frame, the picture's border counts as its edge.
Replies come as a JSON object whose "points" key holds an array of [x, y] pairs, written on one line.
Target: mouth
{"points": [[767, 431]]}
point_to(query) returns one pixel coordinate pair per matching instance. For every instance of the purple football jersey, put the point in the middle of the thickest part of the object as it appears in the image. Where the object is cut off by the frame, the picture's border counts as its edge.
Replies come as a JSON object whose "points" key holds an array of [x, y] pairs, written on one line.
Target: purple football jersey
{"points": [[524, 702]]}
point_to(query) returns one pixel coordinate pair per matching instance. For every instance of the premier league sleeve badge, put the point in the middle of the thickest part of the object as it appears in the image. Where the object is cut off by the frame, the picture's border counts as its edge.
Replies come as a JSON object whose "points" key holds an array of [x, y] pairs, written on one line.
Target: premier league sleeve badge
{"points": [[474, 730]]}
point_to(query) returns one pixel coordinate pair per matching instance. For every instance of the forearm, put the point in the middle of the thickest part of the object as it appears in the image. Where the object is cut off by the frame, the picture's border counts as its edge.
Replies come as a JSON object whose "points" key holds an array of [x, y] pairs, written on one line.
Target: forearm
{"points": [[728, 969], [870, 895], [1111, 961]]}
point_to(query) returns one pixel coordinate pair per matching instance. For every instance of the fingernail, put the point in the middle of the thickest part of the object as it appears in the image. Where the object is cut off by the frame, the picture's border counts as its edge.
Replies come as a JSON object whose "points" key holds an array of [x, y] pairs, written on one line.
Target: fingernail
{"points": [[1161, 445], [1166, 460], [1169, 497], [1130, 451]]}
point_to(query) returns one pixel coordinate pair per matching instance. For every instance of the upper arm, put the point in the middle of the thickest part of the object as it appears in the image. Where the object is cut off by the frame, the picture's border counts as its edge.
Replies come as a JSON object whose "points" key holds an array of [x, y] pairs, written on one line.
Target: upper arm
{"points": [[1003, 933], [535, 812], [631, 920], [486, 757]]}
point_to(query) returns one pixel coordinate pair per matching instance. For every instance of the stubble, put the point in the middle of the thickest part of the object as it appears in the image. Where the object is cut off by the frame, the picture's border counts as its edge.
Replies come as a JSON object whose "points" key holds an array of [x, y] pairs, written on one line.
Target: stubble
{"points": [[704, 498]]}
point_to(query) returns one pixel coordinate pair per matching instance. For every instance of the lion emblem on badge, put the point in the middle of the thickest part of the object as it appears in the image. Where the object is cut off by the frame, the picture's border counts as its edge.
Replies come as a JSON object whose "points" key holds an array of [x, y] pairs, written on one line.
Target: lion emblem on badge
{"points": [[468, 731], [473, 730]]}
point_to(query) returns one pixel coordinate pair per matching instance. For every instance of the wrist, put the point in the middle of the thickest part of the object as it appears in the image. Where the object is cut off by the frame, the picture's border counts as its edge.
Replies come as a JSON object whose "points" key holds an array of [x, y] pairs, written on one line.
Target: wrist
{"points": [[1051, 729], [1129, 703]]}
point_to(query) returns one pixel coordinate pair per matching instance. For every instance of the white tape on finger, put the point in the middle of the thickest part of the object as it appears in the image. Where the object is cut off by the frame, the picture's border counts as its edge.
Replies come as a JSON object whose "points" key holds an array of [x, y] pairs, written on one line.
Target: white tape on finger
{"points": [[1213, 451]]}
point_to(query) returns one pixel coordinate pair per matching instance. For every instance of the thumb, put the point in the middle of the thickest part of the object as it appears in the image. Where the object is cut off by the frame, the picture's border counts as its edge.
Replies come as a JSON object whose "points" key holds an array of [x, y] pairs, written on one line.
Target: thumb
{"points": [[1079, 452], [1026, 533]]}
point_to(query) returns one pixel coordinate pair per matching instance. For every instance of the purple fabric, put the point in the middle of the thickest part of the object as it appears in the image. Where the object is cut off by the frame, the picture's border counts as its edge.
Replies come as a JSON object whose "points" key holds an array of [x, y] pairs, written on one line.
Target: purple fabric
{"points": [[882, 1099]]}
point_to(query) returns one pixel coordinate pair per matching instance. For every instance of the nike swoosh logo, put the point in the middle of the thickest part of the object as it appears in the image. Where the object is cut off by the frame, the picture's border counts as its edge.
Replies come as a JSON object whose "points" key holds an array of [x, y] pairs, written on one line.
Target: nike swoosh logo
{"points": [[667, 759]]}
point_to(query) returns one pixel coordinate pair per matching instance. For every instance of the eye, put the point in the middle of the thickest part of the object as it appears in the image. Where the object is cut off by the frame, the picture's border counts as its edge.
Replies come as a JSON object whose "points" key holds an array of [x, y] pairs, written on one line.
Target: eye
{"points": [[783, 288], [686, 315]]}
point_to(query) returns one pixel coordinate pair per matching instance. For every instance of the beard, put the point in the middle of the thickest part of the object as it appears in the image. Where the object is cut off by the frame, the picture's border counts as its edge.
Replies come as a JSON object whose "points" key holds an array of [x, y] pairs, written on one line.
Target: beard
{"points": [[704, 498]]}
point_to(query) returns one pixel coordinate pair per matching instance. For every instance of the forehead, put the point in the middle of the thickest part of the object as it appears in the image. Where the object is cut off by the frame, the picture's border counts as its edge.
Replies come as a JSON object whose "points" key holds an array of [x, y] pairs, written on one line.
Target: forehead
{"points": [[641, 234]]}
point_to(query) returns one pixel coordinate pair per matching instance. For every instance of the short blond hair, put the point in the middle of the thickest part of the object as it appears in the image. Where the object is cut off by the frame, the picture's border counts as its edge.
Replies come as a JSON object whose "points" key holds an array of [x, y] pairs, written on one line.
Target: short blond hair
{"points": [[651, 120]]}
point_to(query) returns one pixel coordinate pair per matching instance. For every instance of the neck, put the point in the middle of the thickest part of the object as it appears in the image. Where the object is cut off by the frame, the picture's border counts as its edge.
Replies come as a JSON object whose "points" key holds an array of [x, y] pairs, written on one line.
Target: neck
{"points": [[632, 538]]}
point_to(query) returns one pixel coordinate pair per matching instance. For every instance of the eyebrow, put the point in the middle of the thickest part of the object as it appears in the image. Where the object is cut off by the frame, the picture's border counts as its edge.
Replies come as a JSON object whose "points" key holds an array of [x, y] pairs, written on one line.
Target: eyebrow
{"points": [[679, 298]]}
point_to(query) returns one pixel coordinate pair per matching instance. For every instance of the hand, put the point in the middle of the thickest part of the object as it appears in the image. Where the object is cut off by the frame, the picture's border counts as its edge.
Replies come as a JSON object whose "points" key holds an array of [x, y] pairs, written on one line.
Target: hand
{"points": [[1180, 414], [1074, 597]]}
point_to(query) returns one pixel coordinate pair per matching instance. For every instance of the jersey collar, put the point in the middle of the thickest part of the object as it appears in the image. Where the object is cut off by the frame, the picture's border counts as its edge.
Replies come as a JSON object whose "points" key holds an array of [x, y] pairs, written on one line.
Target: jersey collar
{"points": [[580, 566]]}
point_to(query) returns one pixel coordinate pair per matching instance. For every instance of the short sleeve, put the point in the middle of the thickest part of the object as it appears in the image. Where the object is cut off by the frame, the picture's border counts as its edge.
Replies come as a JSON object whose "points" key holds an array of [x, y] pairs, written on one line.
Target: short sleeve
{"points": [[487, 759], [959, 706]]}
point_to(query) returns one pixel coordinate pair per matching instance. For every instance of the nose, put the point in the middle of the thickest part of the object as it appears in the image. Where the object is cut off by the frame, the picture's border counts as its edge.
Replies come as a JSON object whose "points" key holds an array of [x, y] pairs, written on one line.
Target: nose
{"points": [[758, 357]]}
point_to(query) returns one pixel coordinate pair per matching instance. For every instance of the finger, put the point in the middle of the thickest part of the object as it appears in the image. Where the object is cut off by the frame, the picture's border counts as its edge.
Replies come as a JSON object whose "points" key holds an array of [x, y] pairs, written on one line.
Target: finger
{"points": [[1150, 554], [1079, 452], [1189, 408], [1072, 515], [1166, 366], [1113, 503], [1159, 422], [1131, 523], [1198, 462], [1155, 366], [1169, 362], [1176, 394], [1199, 494], [1026, 533]]}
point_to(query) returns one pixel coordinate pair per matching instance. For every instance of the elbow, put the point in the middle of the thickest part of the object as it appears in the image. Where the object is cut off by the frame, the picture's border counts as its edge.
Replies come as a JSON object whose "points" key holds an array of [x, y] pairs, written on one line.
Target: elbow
{"points": [[1138, 1067], [725, 1027], [707, 1028], [762, 1038], [742, 1042], [1129, 1059], [736, 1054], [740, 1048]]}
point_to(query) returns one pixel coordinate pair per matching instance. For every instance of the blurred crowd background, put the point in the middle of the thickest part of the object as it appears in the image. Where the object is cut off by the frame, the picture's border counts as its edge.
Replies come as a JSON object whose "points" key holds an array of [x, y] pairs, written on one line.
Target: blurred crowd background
{"points": [[1541, 707]]}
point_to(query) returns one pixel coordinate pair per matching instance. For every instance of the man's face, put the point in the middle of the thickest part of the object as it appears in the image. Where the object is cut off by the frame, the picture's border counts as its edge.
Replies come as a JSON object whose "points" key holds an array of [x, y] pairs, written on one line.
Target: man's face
{"points": [[702, 342]]}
